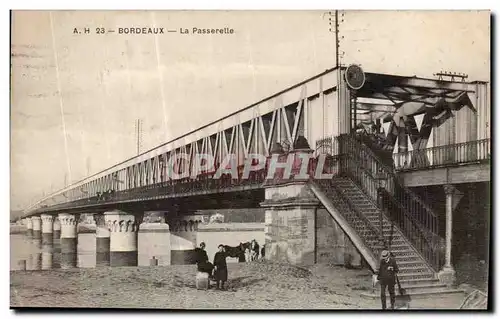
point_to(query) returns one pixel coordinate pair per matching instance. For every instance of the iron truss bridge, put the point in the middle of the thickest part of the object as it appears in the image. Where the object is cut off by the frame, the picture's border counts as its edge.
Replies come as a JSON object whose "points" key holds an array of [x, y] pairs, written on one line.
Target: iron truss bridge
{"points": [[319, 107]]}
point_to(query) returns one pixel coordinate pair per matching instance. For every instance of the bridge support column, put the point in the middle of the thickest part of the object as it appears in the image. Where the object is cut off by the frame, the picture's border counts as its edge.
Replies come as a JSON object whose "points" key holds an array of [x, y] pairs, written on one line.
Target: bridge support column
{"points": [[35, 260], [37, 227], [290, 223], [56, 260], [47, 229], [123, 238], [453, 196], [56, 228], [68, 240], [47, 240], [29, 227], [102, 241], [37, 231], [154, 242]]}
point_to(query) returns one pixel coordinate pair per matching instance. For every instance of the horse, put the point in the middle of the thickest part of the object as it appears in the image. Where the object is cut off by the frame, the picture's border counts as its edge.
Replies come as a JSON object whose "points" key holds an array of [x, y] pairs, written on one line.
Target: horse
{"points": [[246, 245], [235, 252]]}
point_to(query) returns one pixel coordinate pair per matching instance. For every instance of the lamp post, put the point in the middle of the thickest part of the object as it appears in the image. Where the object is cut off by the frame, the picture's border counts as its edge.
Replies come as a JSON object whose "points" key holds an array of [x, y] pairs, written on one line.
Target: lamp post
{"points": [[381, 179]]}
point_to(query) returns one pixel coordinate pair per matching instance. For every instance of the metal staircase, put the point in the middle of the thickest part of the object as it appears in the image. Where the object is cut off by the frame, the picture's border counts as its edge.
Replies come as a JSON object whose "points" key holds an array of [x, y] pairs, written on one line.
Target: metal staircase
{"points": [[409, 227]]}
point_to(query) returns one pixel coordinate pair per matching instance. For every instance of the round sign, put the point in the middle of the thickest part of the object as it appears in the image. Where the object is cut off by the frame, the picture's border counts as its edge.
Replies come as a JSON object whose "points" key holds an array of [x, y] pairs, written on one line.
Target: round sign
{"points": [[355, 77]]}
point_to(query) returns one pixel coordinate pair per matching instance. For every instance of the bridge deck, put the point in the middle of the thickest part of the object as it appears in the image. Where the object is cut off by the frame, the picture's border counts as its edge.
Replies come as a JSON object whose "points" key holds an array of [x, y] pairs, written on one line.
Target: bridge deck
{"points": [[317, 107]]}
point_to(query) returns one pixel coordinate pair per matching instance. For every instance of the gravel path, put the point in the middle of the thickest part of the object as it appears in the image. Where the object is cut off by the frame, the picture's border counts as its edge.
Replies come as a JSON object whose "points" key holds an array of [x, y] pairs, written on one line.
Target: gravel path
{"points": [[258, 285]]}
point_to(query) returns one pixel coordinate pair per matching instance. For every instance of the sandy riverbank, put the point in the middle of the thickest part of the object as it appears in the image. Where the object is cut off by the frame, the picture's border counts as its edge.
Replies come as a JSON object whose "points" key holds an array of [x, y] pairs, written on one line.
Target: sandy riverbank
{"points": [[251, 286]]}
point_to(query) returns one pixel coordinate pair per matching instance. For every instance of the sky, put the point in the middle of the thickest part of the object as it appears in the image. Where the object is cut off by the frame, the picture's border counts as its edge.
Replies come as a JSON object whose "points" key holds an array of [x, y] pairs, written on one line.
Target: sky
{"points": [[75, 98]]}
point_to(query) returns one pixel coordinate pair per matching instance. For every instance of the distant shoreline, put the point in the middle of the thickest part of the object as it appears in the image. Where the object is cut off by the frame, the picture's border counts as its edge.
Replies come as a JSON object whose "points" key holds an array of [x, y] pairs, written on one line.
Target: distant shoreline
{"points": [[17, 229]]}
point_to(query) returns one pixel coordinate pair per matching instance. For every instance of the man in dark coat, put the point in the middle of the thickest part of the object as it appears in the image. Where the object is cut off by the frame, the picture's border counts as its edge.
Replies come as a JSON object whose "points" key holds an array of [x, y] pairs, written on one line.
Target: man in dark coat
{"points": [[387, 277], [220, 267], [202, 260], [254, 247]]}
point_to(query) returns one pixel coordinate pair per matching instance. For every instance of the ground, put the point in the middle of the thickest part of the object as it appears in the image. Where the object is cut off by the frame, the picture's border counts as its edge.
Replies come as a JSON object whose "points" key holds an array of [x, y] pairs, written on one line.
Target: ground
{"points": [[259, 285]]}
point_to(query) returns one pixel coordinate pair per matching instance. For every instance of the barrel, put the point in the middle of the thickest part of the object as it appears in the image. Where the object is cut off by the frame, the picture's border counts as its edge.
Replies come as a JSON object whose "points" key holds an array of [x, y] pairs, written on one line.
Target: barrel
{"points": [[202, 281]]}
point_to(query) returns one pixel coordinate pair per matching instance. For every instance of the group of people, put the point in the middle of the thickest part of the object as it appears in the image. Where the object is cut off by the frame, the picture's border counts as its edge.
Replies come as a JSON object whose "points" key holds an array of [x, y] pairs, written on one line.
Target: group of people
{"points": [[386, 275], [252, 251], [216, 271]]}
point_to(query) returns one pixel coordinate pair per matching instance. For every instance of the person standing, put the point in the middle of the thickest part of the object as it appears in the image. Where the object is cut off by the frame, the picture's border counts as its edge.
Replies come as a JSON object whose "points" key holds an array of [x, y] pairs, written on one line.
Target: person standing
{"points": [[220, 267], [254, 250], [248, 255], [387, 277], [202, 260]]}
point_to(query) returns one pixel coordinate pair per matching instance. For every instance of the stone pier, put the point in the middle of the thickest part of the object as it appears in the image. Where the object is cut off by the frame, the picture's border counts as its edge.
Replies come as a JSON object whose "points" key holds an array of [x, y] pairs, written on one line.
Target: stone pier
{"points": [[47, 241], [290, 223], [290, 206], [29, 227], [35, 260], [183, 237], [37, 232], [123, 238], [68, 242], [47, 229], [102, 241], [56, 249], [56, 229], [154, 241]]}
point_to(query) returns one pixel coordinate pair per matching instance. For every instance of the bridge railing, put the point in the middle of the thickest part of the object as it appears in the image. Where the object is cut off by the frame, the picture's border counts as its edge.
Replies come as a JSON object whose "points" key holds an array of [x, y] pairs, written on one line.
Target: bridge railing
{"points": [[209, 182], [459, 153]]}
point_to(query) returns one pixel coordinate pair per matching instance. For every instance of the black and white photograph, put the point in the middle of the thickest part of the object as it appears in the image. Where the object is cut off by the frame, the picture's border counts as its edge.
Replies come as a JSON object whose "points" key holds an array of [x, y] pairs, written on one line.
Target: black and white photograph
{"points": [[250, 159]]}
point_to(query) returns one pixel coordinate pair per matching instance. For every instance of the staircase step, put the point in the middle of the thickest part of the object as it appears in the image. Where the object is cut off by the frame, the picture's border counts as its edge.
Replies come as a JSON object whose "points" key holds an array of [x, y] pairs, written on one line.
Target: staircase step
{"points": [[355, 196], [361, 203], [411, 263], [405, 253], [408, 258], [387, 230], [411, 289], [412, 270], [348, 187], [352, 192], [408, 282], [372, 213], [376, 225], [415, 275], [350, 201], [395, 249], [420, 293]]}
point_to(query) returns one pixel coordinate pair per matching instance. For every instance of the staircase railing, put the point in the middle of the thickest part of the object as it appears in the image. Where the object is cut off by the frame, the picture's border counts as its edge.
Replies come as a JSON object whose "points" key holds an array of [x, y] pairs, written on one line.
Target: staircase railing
{"points": [[428, 245], [415, 219], [371, 235], [425, 242], [355, 151]]}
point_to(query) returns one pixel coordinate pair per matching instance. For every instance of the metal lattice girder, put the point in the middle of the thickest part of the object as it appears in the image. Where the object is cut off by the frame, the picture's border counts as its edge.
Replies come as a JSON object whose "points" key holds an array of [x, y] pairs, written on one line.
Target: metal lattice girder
{"points": [[387, 81], [281, 118], [401, 90], [255, 135]]}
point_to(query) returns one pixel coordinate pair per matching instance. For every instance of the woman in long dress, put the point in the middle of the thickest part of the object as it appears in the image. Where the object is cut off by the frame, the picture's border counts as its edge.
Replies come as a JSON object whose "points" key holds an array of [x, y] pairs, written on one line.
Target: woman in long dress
{"points": [[220, 267]]}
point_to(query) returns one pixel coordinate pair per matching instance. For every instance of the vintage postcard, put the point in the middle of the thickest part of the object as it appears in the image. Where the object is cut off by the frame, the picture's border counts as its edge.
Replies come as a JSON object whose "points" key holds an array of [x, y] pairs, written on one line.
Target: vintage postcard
{"points": [[250, 159]]}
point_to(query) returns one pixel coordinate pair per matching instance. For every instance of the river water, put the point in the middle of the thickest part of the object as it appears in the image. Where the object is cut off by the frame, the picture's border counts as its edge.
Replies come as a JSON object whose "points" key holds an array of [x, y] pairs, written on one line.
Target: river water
{"points": [[23, 248]]}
